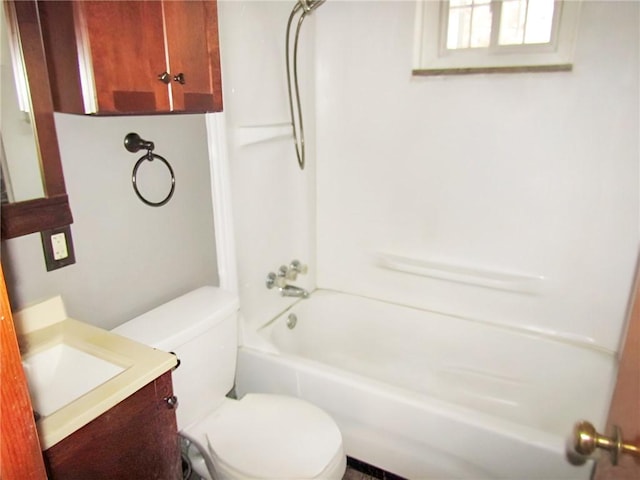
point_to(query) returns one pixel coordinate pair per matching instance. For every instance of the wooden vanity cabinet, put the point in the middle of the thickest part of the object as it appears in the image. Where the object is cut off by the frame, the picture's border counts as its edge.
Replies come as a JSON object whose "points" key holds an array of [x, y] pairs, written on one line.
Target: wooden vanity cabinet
{"points": [[136, 439], [132, 57]]}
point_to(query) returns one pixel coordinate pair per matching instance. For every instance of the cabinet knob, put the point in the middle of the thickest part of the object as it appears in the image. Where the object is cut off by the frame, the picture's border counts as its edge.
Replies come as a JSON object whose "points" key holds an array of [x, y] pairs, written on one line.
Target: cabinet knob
{"points": [[179, 78], [164, 77], [172, 402]]}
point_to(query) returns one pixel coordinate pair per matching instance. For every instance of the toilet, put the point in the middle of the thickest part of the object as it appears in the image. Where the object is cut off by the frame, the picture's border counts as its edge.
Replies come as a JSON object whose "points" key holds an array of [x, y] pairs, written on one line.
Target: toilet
{"points": [[260, 436]]}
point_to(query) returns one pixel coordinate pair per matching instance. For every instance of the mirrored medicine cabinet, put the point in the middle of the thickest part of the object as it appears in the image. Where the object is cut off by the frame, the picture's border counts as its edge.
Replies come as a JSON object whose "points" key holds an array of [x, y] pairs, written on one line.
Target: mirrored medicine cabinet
{"points": [[28, 140]]}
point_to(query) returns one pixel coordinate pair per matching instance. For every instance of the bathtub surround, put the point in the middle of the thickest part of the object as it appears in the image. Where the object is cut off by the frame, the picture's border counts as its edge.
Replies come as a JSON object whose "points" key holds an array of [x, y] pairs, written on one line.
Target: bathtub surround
{"points": [[531, 178], [438, 171], [273, 200], [509, 201]]}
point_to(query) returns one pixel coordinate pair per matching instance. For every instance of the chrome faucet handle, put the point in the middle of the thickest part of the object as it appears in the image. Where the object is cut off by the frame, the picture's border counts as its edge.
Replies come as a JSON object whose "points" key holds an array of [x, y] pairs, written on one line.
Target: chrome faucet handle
{"points": [[274, 280], [295, 267], [271, 280]]}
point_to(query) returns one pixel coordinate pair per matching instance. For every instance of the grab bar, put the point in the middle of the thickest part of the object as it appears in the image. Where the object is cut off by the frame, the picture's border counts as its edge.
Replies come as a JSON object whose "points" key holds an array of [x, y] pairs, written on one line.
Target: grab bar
{"points": [[470, 275]]}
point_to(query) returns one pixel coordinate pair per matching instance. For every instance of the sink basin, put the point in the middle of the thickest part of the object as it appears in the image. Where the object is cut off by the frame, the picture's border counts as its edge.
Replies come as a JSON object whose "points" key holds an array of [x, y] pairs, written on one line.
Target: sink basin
{"points": [[76, 371], [55, 380]]}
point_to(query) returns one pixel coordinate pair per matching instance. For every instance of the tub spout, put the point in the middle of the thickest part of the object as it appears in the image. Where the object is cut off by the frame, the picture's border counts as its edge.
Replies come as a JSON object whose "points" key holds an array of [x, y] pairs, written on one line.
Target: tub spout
{"points": [[281, 279], [293, 291]]}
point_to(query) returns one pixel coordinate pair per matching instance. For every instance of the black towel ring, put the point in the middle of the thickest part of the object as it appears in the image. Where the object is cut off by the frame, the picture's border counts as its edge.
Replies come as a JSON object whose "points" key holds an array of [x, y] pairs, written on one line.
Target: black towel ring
{"points": [[150, 156], [133, 143]]}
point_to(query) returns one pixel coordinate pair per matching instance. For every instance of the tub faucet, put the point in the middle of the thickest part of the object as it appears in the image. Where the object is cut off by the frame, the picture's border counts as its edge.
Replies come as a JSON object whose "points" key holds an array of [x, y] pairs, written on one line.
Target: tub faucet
{"points": [[293, 291], [281, 280]]}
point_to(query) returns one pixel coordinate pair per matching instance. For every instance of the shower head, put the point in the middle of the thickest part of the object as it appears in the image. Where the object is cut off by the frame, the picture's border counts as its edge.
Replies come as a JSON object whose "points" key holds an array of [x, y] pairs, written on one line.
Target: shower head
{"points": [[310, 5]]}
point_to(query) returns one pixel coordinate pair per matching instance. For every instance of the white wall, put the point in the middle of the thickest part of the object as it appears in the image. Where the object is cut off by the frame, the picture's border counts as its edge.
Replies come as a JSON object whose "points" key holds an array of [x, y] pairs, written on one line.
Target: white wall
{"points": [[273, 201], [532, 174], [129, 257]]}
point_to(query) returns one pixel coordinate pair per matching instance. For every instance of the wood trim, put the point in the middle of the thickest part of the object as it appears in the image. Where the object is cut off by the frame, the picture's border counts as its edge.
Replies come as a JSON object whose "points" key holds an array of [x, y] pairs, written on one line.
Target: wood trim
{"points": [[28, 25], [20, 455], [31, 216]]}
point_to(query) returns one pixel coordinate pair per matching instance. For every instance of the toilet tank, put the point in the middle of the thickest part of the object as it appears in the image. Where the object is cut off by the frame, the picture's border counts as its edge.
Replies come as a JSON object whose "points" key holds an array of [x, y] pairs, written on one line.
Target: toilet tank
{"points": [[200, 327]]}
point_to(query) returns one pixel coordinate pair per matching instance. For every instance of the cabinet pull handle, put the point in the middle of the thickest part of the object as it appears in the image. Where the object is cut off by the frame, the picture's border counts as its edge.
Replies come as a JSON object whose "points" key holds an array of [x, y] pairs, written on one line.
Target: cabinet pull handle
{"points": [[164, 77], [172, 402], [179, 78]]}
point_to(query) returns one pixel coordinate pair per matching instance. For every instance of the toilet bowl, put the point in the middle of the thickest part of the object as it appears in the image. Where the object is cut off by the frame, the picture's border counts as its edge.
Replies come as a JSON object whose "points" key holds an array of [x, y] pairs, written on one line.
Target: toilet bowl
{"points": [[270, 436], [259, 436]]}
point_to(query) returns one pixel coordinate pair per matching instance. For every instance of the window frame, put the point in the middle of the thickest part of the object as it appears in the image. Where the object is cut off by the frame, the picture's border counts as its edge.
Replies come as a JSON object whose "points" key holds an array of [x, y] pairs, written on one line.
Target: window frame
{"points": [[431, 57]]}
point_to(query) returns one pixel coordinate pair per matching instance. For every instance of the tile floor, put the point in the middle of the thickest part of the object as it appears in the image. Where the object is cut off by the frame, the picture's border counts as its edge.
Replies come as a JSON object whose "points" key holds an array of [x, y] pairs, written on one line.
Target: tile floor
{"points": [[353, 474], [356, 470]]}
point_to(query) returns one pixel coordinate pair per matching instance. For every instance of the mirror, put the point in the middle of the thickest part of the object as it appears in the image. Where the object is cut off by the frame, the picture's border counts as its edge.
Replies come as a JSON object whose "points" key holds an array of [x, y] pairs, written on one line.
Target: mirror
{"points": [[52, 209], [19, 159]]}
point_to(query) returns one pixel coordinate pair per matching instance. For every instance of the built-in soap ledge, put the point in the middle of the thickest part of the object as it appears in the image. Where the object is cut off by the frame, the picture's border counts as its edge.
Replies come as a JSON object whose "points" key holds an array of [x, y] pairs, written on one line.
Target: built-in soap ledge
{"points": [[514, 282], [253, 134], [77, 371]]}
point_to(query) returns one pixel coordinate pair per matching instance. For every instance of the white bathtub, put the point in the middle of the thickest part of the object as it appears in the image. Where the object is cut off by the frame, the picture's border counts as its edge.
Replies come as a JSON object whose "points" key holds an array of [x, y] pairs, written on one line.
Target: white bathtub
{"points": [[432, 396]]}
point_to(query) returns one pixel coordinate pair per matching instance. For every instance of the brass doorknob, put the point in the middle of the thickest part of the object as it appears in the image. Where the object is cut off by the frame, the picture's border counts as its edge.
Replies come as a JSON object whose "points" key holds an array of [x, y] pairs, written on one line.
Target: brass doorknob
{"points": [[586, 440]]}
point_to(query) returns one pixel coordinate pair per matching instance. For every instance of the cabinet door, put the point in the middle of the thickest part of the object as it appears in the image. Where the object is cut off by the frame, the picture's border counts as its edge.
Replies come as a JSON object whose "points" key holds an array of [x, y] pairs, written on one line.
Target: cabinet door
{"points": [[106, 57], [136, 439], [193, 52], [121, 46]]}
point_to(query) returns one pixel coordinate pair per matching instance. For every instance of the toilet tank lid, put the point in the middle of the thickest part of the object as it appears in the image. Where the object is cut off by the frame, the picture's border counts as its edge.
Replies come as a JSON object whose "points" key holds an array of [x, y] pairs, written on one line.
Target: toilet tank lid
{"points": [[172, 324]]}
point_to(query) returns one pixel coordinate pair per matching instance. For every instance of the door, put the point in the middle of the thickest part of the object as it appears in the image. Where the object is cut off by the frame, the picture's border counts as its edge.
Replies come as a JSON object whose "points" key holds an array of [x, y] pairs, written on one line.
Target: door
{"points": [[20, 455], [625, 405]]}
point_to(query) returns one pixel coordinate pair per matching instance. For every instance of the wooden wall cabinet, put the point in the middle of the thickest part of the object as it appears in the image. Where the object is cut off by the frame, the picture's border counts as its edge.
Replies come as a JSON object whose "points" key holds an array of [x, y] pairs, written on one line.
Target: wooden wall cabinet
{"points": [[136, 439], [112, 57]]}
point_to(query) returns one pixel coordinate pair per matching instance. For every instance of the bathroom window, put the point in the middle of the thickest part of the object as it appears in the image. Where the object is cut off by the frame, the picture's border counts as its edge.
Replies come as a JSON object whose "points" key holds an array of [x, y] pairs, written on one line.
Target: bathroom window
{"points": [[484, 36]]}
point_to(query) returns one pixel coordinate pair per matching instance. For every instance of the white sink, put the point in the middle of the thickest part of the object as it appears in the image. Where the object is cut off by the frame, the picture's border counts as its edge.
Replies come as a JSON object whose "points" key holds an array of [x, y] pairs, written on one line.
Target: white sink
{"points": [[60, 374], [77, 371]]}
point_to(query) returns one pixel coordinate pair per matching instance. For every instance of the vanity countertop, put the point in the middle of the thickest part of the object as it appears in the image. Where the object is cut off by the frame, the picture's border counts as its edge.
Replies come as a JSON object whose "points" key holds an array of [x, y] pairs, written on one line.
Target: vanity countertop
{"points": [[46, 325]]}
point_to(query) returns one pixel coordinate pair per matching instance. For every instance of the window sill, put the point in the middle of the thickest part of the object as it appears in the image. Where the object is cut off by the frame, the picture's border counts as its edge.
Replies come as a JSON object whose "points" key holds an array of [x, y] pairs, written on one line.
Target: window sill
{"points": [[434, 72]]}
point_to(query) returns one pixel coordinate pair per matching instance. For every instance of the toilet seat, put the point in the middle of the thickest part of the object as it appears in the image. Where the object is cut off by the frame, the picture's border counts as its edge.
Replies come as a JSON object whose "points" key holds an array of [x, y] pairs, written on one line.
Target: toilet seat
{"points": [[271, 437]]}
